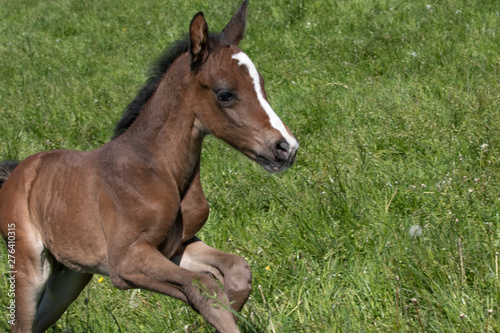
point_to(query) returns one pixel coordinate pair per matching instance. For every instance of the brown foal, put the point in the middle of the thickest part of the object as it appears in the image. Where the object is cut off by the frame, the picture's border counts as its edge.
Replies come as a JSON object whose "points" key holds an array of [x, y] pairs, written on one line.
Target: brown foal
{"points": [[131, 208]]}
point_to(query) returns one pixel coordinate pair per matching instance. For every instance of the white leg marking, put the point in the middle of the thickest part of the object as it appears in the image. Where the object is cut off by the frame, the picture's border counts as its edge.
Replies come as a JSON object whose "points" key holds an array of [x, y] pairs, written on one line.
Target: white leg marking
{"points": [[244, 60]]}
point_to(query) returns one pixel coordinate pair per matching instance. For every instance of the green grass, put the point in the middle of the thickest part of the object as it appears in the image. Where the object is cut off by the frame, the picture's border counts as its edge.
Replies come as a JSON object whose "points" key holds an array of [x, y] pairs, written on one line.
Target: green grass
{"points": [[396, 105]]}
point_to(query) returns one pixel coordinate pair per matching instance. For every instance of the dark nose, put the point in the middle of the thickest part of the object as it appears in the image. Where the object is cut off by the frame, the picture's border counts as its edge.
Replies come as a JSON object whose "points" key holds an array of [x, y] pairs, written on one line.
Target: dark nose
{"points": [[281, 150]]}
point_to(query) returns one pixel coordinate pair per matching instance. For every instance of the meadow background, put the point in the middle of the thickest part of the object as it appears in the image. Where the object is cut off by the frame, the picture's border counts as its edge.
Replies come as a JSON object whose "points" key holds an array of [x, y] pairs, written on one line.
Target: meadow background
{"points": [[389, 220]]}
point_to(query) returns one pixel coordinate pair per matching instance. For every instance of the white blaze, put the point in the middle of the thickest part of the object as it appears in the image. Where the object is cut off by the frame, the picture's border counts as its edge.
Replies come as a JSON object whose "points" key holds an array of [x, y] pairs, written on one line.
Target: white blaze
{"points": [[244, 60]]}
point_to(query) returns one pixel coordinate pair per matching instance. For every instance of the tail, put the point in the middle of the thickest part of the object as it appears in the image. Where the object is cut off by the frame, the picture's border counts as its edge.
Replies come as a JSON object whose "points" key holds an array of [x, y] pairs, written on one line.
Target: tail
{"points": [[6, 168]]}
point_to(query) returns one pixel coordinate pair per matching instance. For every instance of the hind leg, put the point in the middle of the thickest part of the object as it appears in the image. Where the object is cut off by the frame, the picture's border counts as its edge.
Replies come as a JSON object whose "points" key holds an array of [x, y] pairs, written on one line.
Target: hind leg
{"points": [[62, 288], [32, 269]]}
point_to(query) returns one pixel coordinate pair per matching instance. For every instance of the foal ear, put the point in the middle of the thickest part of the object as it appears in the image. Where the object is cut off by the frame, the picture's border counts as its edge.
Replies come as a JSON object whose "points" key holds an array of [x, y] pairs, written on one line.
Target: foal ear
{"points": [[234, 31], [198, 47]]}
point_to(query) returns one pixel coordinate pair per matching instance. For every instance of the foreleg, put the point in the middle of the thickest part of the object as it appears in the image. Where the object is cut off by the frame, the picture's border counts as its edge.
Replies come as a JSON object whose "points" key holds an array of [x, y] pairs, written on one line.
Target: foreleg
{"points": [[231, 270], [145, 267]]}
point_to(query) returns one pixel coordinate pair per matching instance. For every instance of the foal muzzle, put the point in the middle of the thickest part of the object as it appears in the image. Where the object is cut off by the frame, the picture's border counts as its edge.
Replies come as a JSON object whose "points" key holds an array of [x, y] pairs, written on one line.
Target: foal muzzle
{"points": [[280, 157]]}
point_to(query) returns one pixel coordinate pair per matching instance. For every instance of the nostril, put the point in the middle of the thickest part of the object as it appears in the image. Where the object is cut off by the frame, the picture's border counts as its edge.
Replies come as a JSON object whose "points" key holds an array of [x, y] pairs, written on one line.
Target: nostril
{"points": [[282, 150]]}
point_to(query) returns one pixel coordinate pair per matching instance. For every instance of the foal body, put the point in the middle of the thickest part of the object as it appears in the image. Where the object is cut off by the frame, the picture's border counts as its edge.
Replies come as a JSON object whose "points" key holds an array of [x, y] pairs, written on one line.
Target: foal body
{"points": [[131, 208]]}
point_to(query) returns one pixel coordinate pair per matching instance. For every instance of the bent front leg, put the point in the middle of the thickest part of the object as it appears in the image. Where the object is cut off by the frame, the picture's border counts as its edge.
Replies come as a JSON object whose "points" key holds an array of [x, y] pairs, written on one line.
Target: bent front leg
{"points": [[143, 266], [231, 270]]}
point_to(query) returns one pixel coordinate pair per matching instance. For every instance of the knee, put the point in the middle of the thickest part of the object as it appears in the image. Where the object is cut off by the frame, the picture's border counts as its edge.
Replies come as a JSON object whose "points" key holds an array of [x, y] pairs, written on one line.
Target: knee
{"points": [[202, 289], [240, 279]]}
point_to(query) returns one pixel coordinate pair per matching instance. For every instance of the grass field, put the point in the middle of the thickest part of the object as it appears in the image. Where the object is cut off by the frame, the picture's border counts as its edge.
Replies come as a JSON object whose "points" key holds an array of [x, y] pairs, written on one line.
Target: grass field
{"points": [[389, 220]]}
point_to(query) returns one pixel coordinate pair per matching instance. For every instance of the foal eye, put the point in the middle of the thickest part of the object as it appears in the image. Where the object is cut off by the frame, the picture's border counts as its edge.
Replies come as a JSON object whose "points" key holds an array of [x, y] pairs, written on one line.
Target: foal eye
{"points": [[225, 96]]}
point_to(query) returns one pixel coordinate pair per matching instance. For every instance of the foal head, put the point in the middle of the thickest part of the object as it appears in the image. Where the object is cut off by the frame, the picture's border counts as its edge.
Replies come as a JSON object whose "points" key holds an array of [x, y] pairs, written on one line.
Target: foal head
{"points": [[232, 104]]}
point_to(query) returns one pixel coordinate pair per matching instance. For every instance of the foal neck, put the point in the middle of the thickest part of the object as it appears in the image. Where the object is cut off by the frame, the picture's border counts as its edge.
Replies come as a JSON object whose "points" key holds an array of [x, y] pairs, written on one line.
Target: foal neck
{"points": [[167, 135]]}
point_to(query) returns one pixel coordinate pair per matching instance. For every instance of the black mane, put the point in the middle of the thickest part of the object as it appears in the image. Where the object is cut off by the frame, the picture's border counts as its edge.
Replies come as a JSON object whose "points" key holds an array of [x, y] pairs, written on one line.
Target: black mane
{"points": [[156, 72]]}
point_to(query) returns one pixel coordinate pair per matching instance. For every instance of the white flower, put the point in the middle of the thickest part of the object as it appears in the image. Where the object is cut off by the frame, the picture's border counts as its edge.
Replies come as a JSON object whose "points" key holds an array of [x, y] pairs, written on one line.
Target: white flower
{"points": [[416, 231]]}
